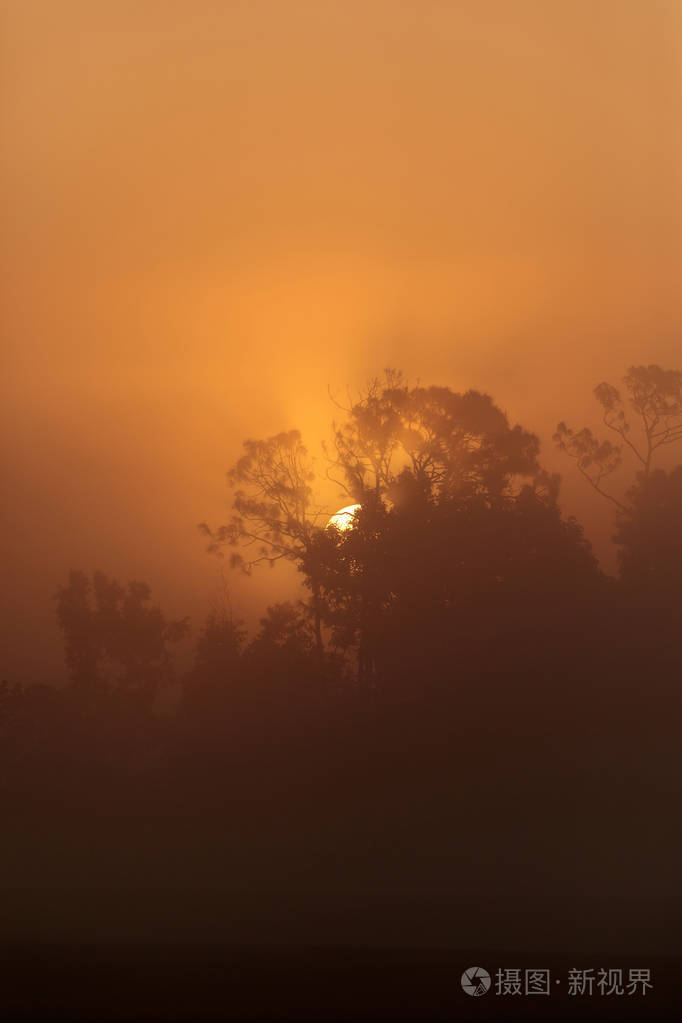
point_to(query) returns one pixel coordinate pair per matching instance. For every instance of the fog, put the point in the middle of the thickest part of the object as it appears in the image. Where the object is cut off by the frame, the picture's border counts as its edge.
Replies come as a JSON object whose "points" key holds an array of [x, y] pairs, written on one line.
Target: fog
{"points": [[215, 212]]}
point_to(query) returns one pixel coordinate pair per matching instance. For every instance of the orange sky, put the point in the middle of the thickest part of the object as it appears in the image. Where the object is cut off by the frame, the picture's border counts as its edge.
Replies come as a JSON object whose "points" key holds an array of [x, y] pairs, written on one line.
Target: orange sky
{"points": [[214, 210]]}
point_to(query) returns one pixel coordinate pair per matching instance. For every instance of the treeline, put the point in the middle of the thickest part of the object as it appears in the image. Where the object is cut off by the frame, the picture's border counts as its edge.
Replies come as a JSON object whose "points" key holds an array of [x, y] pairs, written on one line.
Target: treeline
{"points": [[459, 602]]}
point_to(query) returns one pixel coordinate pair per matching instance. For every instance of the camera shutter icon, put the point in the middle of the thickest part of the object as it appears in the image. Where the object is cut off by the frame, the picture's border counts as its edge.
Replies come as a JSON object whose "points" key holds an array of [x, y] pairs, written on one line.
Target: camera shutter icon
{"points": [[475, 981]]}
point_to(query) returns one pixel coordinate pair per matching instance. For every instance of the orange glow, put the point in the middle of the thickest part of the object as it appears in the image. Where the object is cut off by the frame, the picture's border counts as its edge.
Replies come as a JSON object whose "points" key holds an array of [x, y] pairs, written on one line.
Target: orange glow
{"points": [[219, 213]]}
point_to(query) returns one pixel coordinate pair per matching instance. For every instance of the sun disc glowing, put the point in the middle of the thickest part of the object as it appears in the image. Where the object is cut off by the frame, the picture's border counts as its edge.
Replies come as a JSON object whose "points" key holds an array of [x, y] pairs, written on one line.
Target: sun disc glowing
{"points": [[343, 519]]}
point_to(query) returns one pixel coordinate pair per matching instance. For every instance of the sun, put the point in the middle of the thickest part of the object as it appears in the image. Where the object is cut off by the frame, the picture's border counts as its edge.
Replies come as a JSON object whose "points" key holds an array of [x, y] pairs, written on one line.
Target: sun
{"points": [[343, 519]]}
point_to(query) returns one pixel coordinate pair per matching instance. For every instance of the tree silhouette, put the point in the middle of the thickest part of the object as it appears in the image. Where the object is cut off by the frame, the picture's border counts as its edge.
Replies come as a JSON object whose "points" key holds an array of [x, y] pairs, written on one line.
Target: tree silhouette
{"points": [[420, 462], [217, 664], [109, 626], [654, 420], [83, 637], [353, 581], [650, 566], [282, 654], [453, 444], [650, 538], [275, 516], [475, 657], [410, 584]]}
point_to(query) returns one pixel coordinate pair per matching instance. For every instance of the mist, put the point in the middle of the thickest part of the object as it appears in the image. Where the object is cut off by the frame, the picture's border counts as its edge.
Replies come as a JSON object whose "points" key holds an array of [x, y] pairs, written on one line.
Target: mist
{"points": [[216, 213]]}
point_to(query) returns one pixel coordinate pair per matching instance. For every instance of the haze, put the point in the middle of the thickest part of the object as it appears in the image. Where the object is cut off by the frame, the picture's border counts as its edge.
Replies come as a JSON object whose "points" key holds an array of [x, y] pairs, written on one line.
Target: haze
{"points": [[215, 211]]}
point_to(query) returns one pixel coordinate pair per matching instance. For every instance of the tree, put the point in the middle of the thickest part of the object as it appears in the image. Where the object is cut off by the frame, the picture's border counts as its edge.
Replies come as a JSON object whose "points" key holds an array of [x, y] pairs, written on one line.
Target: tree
{"points": [[432, 471], [274, 514], [78, 621], [107, 625], [649, 542], [453, 444], [219, 647], [217, 661], [354, 573], [428, 588], [654, 421], [650, 539], [409, 456], [282, 654]]}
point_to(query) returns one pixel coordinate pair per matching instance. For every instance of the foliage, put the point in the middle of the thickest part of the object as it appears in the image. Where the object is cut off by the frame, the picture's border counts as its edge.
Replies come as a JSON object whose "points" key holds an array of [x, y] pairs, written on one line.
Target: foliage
{"points": [[453, 445], [650, 538], [654, 421], [111, 628], [433, 471], [274, 515], [273, 509]]}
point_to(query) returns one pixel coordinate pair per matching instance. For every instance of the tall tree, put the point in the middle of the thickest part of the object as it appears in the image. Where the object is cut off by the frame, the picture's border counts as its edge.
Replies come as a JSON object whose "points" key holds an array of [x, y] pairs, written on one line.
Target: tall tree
{"points": [[107, 626], [217, 653], [275, 516], [647, 419], [77, 619], [454, 444], [650, 538], [417, 460], [282, 654]]}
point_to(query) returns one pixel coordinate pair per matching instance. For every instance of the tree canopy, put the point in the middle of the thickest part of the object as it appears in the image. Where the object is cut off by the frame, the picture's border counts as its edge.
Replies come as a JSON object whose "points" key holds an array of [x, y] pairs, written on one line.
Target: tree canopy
{"points": [[647, 419]]}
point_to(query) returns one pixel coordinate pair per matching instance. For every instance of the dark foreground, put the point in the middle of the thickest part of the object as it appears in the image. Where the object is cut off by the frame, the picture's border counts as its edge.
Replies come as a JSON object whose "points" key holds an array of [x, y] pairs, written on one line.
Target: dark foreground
{"points": [[214, 954], [157, 982]]}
